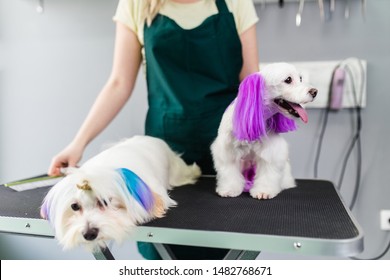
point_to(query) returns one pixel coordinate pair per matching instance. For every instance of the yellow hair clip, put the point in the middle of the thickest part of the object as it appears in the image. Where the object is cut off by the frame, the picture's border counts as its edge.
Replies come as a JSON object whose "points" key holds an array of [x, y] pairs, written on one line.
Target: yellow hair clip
{"points": [[84, 186]]}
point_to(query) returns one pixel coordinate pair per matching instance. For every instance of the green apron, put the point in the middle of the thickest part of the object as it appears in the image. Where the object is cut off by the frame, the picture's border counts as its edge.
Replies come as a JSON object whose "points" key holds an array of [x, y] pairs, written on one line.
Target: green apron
{"points": [[192, 77]]}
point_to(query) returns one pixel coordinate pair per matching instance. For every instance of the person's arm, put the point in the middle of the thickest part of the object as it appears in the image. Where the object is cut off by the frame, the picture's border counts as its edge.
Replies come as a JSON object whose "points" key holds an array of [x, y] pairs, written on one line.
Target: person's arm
{"points": [[115, 93], [249, 52]]}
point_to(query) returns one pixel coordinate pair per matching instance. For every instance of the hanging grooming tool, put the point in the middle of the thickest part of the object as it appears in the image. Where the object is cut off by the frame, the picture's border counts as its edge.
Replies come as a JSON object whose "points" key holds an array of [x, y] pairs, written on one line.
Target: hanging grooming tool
{"points": [[346, 11], [40, 7], [263, 4], [322, 12], [332, 5], [298, 17], [337, 89], [364, 9]]}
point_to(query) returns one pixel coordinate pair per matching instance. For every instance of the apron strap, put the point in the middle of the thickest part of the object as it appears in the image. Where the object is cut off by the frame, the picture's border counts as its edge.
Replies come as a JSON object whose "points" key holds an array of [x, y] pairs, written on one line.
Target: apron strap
{"points": [[222, 7]]}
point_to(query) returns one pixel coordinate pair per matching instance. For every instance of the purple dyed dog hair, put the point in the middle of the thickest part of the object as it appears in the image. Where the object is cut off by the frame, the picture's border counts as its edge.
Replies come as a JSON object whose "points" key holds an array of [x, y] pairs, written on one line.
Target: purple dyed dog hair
{"points": [[252, 119], [45, 210], [248, 118], [279, 123]]}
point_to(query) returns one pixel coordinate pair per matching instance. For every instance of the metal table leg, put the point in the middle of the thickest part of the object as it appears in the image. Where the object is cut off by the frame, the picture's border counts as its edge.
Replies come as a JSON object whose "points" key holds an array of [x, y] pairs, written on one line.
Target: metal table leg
{"points": [[103, 254], [165, 251], [241, 255]]}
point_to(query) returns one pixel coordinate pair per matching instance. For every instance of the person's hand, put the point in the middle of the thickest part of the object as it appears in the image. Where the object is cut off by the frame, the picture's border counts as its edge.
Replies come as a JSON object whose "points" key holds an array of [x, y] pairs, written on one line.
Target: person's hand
{"points": [[69, 157]]}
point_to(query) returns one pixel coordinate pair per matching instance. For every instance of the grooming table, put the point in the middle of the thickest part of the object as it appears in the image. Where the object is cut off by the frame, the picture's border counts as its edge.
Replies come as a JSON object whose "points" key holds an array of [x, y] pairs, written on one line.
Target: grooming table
{"points": [[310, 219]]}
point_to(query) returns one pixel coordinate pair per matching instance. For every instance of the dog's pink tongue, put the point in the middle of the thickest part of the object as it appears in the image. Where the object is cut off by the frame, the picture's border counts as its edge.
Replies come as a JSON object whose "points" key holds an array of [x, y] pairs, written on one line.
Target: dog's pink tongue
{"points": [[301, 112]]}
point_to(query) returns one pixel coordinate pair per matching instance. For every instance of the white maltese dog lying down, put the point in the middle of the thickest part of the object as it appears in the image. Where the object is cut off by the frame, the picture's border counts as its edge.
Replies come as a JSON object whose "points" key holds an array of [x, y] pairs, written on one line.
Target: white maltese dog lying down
{"points": [[249, 153], [124, 186]]}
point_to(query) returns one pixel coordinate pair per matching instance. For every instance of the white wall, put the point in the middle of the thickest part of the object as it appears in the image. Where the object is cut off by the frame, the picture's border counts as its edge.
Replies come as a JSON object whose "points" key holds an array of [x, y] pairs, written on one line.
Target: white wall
{"points": [[53, 65]]}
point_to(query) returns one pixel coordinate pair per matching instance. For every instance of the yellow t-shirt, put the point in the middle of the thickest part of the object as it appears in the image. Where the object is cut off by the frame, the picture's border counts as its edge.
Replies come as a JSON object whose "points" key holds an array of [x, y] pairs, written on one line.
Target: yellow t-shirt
{"points": [[186, 15]]}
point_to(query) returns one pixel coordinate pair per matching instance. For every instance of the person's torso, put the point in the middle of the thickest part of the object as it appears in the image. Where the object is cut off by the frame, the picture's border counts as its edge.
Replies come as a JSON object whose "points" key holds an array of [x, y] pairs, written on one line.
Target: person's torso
{"points": [[192, 76]]}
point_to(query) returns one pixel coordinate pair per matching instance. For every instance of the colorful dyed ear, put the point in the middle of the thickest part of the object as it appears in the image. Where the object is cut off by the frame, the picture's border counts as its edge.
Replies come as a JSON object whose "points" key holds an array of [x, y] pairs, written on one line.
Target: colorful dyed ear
{"points": [[248, 118], [45, 210], [280, 123], [137, 188]]}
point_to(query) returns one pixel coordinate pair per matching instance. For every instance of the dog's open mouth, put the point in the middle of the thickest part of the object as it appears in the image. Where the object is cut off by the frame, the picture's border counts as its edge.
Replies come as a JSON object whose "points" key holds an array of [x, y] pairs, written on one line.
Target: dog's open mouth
{"points": [[292, 108]]}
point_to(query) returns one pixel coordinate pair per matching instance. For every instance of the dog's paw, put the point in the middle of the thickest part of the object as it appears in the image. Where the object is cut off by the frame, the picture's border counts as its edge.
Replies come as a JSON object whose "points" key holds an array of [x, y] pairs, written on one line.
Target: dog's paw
{"points": [[263, 196], [230, 186], [262, 193], [228, 192]]}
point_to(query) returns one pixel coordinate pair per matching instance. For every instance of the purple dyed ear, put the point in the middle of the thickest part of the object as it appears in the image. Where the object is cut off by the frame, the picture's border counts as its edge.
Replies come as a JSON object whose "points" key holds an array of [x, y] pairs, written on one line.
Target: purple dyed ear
{"points": [[45, 210], [280, 123], [248, 118]]}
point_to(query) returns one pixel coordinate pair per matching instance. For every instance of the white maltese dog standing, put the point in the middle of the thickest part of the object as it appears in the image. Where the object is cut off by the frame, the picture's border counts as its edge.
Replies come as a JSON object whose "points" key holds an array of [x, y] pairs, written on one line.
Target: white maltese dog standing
{"points": [[249, 154], [124, 186]]}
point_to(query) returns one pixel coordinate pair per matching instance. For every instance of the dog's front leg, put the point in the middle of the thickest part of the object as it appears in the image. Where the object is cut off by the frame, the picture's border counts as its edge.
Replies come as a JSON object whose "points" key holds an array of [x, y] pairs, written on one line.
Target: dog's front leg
{"points": [[288, 180], [272, 157], [267, 181], [230, 181]]}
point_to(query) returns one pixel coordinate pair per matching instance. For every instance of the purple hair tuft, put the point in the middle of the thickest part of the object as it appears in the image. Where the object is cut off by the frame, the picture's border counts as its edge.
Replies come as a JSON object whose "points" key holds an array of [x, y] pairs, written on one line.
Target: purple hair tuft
{"points": [[279, 123], [248, 118], [45, 210]]}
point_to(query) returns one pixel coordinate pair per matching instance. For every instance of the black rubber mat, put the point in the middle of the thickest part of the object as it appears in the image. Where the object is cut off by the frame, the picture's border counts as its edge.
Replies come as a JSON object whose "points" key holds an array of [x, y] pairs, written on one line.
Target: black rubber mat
{"points": [[25, 204], [313, 209]]}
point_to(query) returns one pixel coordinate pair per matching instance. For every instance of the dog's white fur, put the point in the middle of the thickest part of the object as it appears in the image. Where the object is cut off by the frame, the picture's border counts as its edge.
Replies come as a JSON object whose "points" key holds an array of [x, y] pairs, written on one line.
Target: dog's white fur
{"points": [[107, 210], [273, 170]]}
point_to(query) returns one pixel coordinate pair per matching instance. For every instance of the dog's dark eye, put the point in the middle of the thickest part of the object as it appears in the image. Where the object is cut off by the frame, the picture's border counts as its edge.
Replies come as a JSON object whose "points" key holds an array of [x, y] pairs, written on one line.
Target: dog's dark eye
{"points": [[75, 207], [288, 80], [102, 203], [300, 78]]}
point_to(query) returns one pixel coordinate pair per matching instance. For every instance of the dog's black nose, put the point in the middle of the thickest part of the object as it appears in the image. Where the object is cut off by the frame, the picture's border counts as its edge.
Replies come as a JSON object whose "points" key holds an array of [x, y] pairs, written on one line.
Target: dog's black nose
{"points": [[91, 234], [313, 92]]}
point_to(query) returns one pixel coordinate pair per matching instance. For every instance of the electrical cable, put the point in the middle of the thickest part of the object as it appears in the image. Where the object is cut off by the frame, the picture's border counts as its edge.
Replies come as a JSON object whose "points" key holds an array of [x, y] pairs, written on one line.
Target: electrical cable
{"points": [[357, 133], [377, 257], [356, 138], [323, 128], [358, 175], [320, 140], [359, 127]]}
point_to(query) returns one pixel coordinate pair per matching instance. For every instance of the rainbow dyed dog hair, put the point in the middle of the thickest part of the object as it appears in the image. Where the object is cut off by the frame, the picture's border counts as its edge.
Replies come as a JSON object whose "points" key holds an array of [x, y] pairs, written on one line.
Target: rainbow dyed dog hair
{"points": [[249, 152]]}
